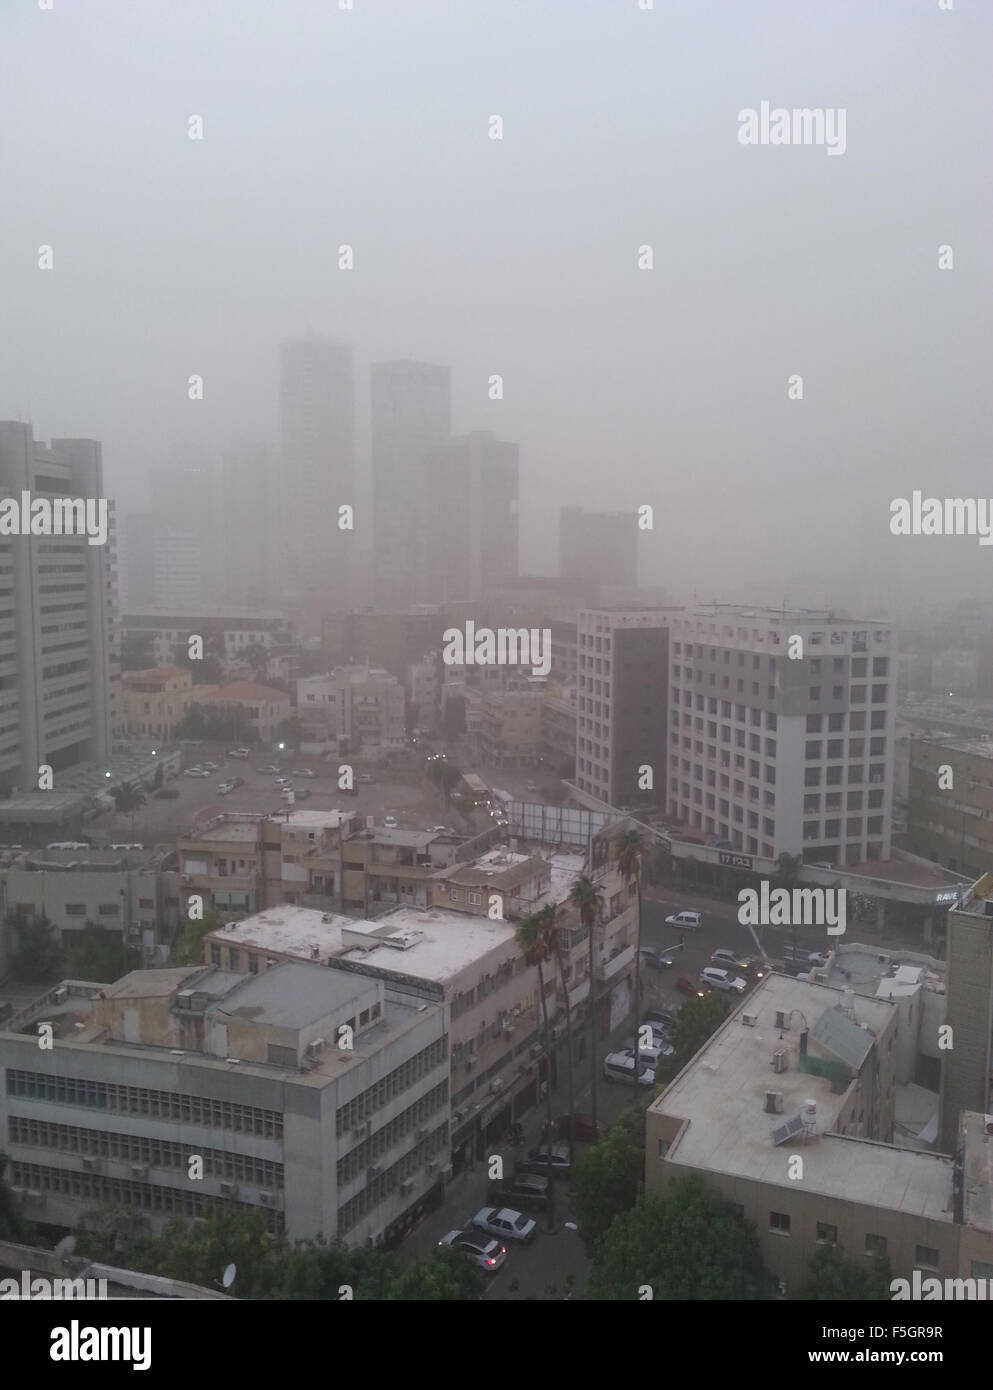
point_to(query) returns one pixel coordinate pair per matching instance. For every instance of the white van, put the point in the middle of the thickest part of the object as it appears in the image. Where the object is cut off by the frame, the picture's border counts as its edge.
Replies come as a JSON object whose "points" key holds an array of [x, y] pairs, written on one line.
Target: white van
{"points": [[619, 1066]]}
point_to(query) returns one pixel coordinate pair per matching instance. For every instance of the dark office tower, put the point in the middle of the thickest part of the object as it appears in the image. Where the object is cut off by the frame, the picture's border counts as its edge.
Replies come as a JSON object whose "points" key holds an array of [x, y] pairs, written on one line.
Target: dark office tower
{"points": [[471, 526], [248, 543], [600, 546], [137, 561], [317, 467], [411, 418]]}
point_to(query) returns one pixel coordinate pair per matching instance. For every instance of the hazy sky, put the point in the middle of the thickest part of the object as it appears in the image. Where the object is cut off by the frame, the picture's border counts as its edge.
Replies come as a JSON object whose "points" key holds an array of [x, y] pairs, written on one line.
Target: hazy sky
{"points": [[519, 256]]}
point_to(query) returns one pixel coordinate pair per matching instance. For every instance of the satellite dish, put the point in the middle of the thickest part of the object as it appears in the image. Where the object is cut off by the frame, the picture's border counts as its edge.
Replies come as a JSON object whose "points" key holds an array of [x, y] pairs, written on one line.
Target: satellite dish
{"points": [[65, 1247], [227, 1278]]}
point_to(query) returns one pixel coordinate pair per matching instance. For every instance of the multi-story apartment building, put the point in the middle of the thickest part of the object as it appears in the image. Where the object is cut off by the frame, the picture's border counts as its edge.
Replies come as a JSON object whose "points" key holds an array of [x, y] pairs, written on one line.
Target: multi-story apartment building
{"points": [[122, 891], [153, 702], [317, 462], [423, 687], [781, 731], [374, 707], [186, 510], [804, 1070], [510, 725], [137, 561], [248, 1072], [411, 418], [559, 715], [565, 651], [622, 700], [59, 653], [471, 542], [598, 546], [235, 628], [950, 802]]}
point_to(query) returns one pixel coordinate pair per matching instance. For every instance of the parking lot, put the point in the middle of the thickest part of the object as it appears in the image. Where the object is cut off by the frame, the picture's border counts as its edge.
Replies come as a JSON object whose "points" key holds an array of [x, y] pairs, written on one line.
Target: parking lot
{"points": [[397, 791]]}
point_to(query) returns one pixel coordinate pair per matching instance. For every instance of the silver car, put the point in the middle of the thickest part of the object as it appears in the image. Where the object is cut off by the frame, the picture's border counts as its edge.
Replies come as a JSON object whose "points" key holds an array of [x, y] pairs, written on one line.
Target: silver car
{"points": [[505, 1224]]}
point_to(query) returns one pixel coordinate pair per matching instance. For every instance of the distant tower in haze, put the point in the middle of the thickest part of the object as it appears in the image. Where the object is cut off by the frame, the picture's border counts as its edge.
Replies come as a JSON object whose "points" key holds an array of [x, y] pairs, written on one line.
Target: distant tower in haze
{"points": [[599, 546], [411, 417], [317, 466]]}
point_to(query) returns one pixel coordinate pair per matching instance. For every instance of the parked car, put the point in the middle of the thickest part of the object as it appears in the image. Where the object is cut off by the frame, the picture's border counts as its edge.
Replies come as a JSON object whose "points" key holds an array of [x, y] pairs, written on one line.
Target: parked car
{"points": [[685, 985], [652, 1053], [619, 1066], [239, 752], [223, 788], [547, 1158], [525, 1191], [196, 772], [505, 1224], [652, 955], [532, 786], [582, 1127], [685, 921], [303, 794], [211, 767], [729, 960], [438, 829], [489, 1255], [722, 980], [303, 772], [390, 822], [269, 769], [667, 1018]]}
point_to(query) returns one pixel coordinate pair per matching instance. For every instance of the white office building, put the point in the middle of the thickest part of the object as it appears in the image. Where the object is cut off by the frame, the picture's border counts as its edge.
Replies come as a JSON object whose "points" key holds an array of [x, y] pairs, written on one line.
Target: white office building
{"points": [[781, 731]]}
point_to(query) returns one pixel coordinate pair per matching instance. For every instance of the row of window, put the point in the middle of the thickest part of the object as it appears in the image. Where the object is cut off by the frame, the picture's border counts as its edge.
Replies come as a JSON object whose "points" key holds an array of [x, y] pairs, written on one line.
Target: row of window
{"points": [[373, 1148], [136, 1148], [382, 1185], [95, 1187], [394, 1084], [925, 1257], [140, 1100]]}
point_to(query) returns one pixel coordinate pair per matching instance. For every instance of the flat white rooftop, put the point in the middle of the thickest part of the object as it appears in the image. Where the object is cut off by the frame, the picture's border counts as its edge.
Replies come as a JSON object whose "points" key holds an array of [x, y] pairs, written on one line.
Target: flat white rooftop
{"points": [[446, 943], [721, 1093], [289, 930]]}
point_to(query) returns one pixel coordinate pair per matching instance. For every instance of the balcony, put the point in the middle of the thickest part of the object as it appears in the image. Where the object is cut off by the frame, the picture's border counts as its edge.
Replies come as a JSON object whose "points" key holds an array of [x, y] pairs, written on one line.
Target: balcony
{"points": [[613, 966]]}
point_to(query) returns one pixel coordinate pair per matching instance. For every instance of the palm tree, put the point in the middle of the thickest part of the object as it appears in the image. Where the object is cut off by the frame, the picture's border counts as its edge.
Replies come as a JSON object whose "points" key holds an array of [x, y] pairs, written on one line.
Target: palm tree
{"points": [[126, 798], [587, 898], [532, 938], [629, 848], [550, 918]]}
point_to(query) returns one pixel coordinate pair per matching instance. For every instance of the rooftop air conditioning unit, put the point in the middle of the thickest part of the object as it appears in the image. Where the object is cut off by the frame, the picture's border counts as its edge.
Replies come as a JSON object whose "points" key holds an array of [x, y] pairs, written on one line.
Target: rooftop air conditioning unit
{"points": [[61, 994], [773, 1102], [229, 1189], [317, 1048], [91, 1165], [407, 1186], [779, 1060], [432, 1166], [749, 1020], [268, 1199], [782, 1018]]}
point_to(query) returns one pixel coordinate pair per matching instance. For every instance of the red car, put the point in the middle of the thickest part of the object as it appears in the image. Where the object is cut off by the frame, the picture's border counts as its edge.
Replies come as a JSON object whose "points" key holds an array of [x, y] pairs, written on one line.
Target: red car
{"points": [[686, 985], [582, 1127]]}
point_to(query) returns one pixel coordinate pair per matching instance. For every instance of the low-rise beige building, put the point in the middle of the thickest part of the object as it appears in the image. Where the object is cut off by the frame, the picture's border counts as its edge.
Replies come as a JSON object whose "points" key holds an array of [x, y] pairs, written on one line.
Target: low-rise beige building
{"points": [[787, 1112], [265, 707], [153, 702]]}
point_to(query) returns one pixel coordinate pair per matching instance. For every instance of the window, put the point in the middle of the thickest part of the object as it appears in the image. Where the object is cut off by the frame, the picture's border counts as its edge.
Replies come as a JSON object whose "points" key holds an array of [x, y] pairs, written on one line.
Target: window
{"points": [[926, 1257], [826, 1233], [779, 1221], [875, 1245]]}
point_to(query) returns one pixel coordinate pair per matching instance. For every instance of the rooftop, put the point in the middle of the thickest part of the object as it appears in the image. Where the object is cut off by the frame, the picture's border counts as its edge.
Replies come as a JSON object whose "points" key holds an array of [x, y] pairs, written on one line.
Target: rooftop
{"points": [[291, 995], [289, 930], [721, 1094], [442, 943]]}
